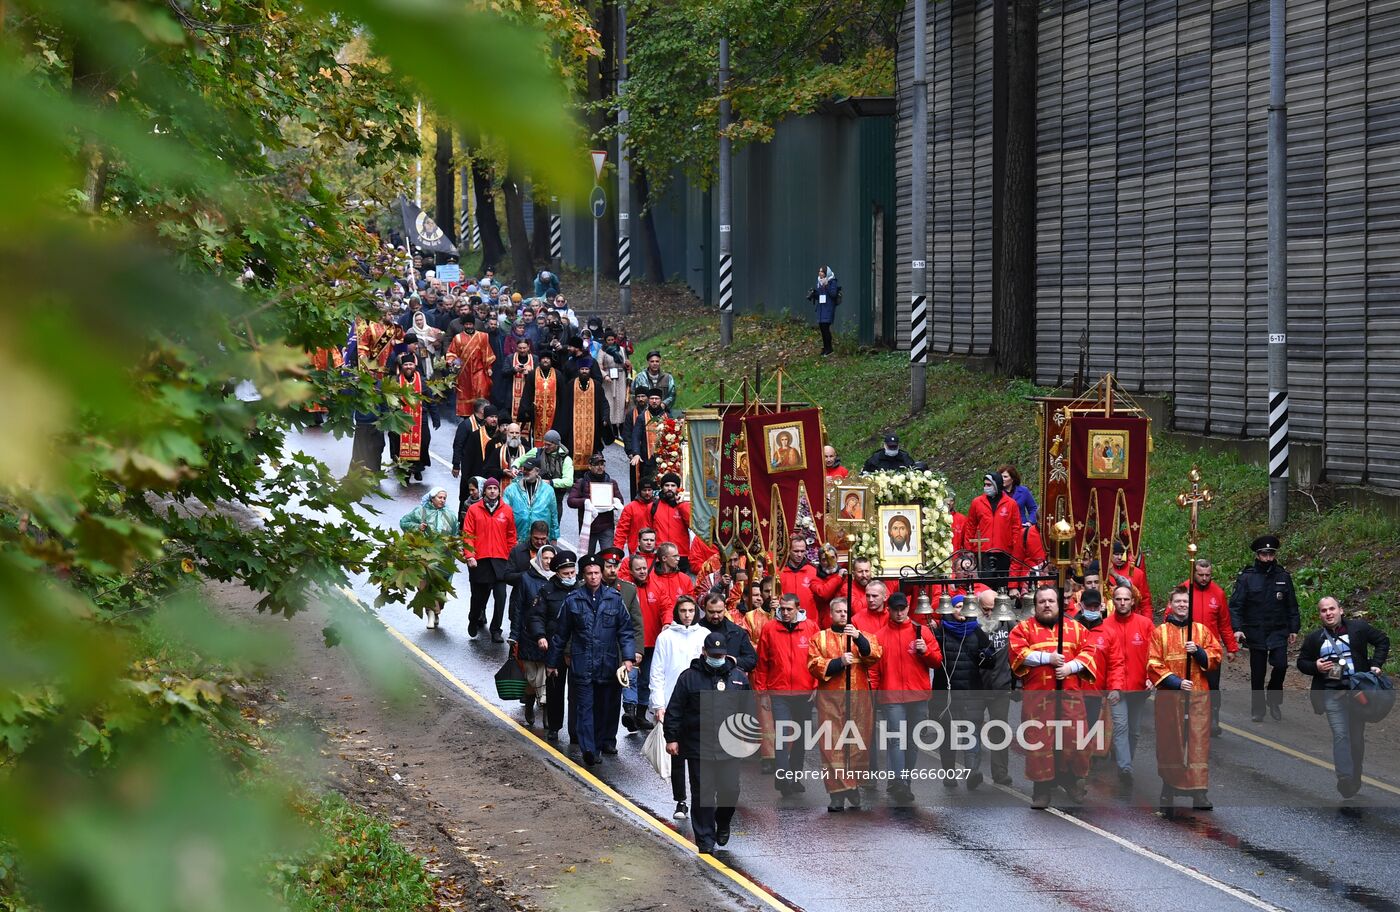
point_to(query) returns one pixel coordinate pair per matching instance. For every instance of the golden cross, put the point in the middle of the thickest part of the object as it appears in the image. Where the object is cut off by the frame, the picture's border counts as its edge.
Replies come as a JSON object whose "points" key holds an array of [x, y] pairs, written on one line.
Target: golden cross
{"points": [[1194, 499]]}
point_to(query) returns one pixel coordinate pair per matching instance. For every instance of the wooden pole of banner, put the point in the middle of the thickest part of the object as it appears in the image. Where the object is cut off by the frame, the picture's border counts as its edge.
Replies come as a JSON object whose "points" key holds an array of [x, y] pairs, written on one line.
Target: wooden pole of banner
{"points": [[780, 389]]}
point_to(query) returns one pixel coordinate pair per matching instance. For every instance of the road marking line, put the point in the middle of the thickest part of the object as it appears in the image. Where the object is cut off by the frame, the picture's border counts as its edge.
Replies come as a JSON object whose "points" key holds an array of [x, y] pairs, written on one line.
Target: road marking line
{"points": [[1306, 758], [1235, 892], [757, 892]]}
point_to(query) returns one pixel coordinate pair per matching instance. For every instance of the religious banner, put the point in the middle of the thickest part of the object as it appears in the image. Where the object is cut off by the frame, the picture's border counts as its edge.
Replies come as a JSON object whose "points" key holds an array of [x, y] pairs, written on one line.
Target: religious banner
{"points": [[735, 522], [785, 468], [1054, 460], [703, 469], [422, 232], [1107, 484]]}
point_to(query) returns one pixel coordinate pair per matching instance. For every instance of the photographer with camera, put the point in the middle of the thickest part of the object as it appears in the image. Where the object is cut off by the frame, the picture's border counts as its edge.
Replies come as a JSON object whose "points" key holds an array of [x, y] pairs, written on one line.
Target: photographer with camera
{"points": [[1338, 655]]}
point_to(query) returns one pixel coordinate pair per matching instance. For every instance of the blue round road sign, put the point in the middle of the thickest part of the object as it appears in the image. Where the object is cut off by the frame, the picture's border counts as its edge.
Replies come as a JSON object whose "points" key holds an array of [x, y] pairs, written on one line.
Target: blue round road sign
{"points": [[598, 202]]}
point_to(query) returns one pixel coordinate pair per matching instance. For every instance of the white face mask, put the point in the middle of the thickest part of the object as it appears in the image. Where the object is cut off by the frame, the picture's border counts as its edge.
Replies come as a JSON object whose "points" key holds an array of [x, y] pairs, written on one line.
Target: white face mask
{"points": [[989, 490], [891, 451]]}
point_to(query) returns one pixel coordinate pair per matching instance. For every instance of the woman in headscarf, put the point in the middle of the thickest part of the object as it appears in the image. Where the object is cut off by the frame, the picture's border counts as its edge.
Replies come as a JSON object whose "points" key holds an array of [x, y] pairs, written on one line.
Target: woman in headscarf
{"points": [[429, 339], [434, 519], [826, 295], [524, 643]]}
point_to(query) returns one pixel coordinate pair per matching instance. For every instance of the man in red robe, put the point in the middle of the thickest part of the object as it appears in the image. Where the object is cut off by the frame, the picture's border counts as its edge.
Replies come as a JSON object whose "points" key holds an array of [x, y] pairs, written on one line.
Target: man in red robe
{"points": [[1180, 654], [471, 354], [1054, 659], [324, 359], [375, 342], [839, 658]]}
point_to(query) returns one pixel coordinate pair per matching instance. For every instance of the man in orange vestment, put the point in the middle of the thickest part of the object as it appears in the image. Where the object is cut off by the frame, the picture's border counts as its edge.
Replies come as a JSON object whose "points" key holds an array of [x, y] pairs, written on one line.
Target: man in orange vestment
{"points": [[1179, 655], [839, 657], [1041, 659], [470, 352], [323, 359]]}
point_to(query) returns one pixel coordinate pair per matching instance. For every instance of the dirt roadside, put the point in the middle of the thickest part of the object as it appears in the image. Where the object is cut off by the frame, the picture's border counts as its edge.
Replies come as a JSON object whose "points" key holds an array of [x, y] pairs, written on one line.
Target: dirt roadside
{"points": [[507, 828]]}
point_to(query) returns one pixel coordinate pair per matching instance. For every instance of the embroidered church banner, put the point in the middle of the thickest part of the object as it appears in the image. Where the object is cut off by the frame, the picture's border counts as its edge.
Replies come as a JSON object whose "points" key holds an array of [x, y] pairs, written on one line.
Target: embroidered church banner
{"points": [[785, 467]]}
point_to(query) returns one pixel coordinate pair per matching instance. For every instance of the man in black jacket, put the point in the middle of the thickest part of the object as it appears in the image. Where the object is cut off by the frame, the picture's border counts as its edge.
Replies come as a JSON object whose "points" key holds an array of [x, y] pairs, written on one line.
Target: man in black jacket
{"points": [[891, 459], [1264, 613], [1333, 654], [709, 722], [738, 646], [957, 684]]}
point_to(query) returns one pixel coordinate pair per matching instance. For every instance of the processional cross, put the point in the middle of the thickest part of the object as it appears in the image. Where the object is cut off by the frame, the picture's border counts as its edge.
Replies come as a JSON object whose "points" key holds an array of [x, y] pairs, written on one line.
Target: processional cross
{"points": [[1194, 499]]}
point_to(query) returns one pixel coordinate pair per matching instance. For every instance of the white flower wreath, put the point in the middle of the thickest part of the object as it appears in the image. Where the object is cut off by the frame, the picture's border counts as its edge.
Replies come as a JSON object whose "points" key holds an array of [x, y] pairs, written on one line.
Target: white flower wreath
{"points": [[927, 489]]}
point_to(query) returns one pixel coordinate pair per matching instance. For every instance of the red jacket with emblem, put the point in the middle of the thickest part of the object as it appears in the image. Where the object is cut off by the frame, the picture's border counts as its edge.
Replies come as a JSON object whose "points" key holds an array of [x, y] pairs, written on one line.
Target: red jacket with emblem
{"points": [[488, 534], [1131, 636], [660, 593], [1213, 609], [782, 657], [799, 582], [901, 671], [999, 525], [1107, 654]]}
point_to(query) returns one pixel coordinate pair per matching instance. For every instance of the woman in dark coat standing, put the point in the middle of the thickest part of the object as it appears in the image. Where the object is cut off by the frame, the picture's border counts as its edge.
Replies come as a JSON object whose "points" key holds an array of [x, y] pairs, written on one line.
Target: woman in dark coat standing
{"points": [[528, 652], [825, 297]]}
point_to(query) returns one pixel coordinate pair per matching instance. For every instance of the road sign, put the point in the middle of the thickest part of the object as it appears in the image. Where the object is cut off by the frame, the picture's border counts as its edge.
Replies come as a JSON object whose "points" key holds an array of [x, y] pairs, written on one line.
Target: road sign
{"points": [[599, 157], [598, 202]]}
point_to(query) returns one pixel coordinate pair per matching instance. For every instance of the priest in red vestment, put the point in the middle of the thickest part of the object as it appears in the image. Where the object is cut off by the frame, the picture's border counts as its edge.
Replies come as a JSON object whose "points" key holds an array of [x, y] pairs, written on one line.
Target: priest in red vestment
{"points": [[1052, 671], [375, 343], [470, 353], [1180, 654], [839, 658], [540, 400]]}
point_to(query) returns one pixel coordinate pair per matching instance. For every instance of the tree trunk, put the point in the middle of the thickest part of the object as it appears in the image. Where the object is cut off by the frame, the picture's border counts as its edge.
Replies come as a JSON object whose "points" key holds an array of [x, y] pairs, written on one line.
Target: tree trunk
{"points": [[655, 269], [541, 234], [493, 250], [1014, 187], [519, 238], [90, 88], [444, 180]]}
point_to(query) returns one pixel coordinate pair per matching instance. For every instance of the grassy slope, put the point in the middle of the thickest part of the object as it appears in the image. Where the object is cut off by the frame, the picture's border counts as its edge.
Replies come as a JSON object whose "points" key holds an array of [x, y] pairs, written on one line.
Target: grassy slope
{"points": [[975, 421]]}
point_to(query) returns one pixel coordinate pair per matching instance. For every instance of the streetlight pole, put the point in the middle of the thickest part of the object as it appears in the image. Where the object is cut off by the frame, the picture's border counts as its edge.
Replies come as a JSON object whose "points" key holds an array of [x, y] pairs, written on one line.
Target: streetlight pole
{"points": [[726, 233], [1278, 269], [918, 205]]}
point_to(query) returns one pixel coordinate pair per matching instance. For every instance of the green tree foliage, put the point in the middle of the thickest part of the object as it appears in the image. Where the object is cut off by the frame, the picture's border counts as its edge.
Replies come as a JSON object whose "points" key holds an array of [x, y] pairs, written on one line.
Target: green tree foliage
{"points": [[786, 57], [174, 219]]}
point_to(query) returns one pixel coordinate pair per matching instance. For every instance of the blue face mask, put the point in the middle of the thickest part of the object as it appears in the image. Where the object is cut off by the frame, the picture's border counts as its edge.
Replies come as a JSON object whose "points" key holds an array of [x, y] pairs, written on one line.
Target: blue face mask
{"points": [[1091, 616], [566, 582], [715, 661]]}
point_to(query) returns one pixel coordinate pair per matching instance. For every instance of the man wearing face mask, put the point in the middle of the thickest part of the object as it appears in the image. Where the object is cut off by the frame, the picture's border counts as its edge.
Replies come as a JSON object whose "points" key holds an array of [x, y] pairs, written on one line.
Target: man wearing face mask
{"points": [[715, 618], [1104, 638], [890, 459], [527, 629], [712, 690], [546, 612], [596, 631], [783, 677], [994, 521], [957, 683]]}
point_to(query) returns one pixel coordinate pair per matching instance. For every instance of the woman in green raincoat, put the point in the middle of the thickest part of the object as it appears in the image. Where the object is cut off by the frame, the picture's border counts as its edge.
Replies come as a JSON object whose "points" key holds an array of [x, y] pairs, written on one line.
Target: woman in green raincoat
{"points": [[435, 519]]}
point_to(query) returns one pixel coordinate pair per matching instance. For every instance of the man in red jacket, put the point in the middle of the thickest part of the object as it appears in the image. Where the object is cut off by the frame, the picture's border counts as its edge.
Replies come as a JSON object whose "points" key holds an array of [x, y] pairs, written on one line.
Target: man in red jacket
{"points": [[489, 530], [1125, 572], [671, 518], [783, 675], [635, 517], [1209, 606], [908, 652], [993, 524], [646, 550], [1132, 635], [798, 577], [861, 576], [874, 615]]}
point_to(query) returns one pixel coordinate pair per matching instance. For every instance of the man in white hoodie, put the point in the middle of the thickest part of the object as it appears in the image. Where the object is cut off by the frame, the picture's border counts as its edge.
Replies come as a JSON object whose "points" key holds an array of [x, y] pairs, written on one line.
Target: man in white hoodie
{"points": [[678, 644]]}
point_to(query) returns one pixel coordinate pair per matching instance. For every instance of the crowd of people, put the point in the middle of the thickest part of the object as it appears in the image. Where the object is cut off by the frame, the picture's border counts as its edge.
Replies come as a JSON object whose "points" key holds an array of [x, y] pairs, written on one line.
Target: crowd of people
{"points": [[641, 621]]}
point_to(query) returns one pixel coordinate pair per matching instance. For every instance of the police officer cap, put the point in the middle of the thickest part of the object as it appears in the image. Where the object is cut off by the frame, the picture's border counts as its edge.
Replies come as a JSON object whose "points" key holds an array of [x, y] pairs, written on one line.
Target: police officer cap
{"points": [[714, 644], [591, 560], [1265, 543], [563, 560]]}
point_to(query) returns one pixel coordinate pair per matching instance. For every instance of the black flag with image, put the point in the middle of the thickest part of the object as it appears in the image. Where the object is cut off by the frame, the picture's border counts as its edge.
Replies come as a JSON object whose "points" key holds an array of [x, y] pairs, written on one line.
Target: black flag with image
{"points": [[422, 232]]}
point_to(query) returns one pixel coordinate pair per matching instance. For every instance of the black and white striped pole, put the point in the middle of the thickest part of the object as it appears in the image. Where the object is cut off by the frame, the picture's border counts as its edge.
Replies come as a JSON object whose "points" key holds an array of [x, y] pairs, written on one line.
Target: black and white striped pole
{"points": [[918, 205], [624, 173], [726, 233], [556, 236], [1278, 270]]}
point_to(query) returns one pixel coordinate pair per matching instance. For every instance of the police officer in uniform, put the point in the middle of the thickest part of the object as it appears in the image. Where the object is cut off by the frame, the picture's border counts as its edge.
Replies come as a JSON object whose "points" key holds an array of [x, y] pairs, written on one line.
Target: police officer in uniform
{"points": [[1264, 613]]}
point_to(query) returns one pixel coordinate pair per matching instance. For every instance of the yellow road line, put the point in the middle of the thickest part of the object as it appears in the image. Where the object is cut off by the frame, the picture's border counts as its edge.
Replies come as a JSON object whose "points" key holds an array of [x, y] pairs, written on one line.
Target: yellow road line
{"points": [[757, 892], [1306, 758]]}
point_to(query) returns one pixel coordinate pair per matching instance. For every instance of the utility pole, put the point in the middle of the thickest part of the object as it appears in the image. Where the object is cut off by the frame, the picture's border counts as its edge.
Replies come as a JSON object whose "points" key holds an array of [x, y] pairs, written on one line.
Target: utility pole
{"points": [[726, 234], [556, 236], [624, 172], [1278, 269], [418, 162], [918, 205], [464, 221]]}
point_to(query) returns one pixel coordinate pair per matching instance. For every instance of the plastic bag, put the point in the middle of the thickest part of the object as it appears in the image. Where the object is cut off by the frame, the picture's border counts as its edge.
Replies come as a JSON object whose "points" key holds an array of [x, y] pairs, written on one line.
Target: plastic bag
{"points": [[655, 751]]}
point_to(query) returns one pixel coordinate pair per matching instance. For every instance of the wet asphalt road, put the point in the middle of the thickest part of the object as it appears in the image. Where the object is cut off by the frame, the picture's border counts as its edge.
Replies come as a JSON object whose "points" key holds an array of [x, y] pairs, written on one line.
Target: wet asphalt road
{"points": [[1277, 838]]}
